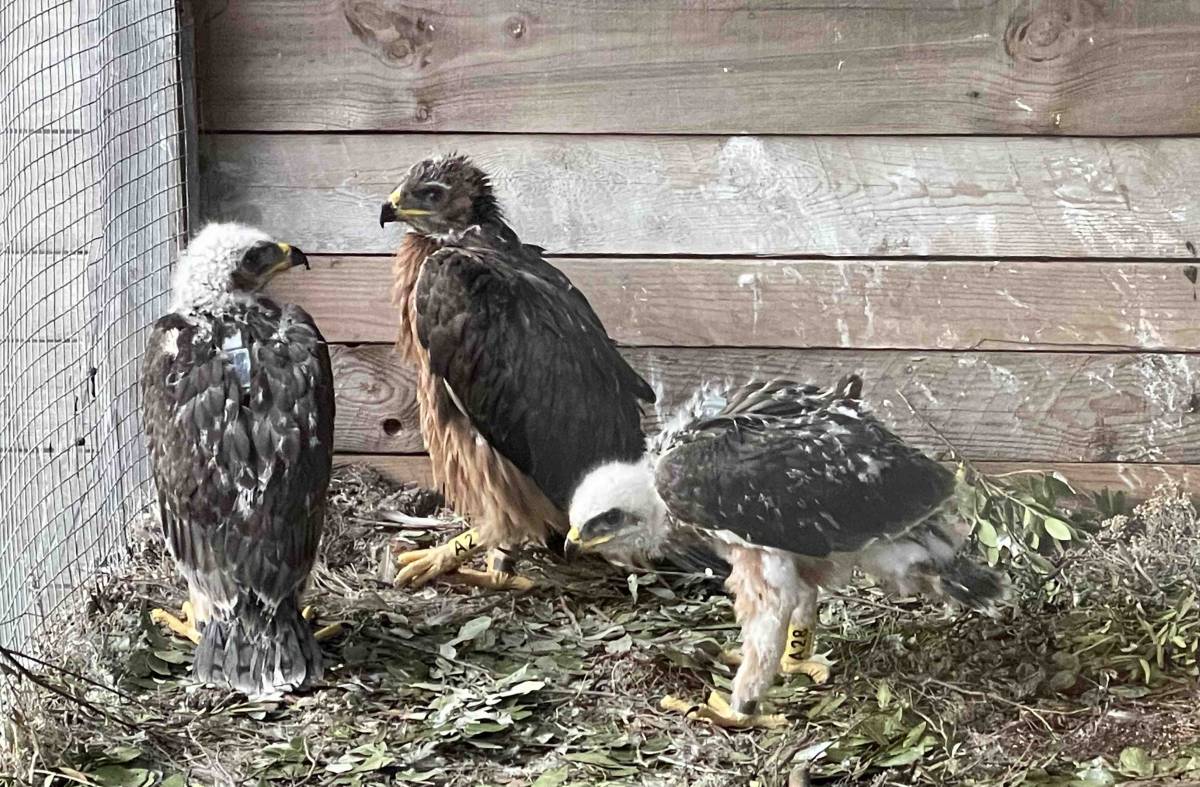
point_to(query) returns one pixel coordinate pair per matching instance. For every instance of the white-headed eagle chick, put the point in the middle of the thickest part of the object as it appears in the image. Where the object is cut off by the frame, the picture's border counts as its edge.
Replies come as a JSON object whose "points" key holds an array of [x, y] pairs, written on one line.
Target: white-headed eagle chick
{"points": [[521, 390], [795, 487], [238, 411]]}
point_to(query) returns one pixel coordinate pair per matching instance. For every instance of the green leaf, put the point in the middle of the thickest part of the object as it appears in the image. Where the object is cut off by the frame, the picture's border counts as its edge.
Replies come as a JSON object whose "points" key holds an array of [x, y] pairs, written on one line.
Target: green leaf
{"points": [[1058, 529], [120, 776], [593, 758], [120, 755], [1135, 762], [524, 687], [1063, 680], [472, 629], [986, 533], [552, 778], [171, 656], [174, 780], [1061, 486], [883, 695], [903, 757]]}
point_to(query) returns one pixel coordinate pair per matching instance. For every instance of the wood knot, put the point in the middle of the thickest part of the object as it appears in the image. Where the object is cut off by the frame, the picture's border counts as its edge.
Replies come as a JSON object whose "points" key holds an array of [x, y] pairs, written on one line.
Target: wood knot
{"points": [[515, 26], [401, 34], [1045, 30]]}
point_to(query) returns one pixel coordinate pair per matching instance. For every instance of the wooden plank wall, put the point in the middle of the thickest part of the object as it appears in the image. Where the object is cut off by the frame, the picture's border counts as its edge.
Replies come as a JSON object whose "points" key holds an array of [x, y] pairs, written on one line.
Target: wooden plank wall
{"points": [[989, 207]]}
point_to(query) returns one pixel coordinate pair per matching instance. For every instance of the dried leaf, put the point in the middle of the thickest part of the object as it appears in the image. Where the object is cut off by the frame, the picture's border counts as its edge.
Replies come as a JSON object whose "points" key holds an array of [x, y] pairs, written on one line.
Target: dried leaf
{"points": [[552, 778]]}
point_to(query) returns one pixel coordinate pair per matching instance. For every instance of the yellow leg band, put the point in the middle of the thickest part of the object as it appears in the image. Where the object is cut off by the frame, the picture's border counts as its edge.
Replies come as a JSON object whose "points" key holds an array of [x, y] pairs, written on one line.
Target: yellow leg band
{"points": [[465, 543], [800, 645]]}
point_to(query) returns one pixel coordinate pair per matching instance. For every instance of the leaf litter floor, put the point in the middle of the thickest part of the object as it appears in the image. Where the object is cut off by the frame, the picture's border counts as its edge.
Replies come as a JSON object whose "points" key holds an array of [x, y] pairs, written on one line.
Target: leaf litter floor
{"points": [[1087, 683]]}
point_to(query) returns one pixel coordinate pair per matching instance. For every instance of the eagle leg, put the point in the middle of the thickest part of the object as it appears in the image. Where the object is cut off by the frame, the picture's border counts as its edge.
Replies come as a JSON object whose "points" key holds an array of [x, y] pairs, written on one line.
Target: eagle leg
{"points": [[798, 651], [502, 567], [719, 712], [325, 632], [424, 565], [184, 625]]}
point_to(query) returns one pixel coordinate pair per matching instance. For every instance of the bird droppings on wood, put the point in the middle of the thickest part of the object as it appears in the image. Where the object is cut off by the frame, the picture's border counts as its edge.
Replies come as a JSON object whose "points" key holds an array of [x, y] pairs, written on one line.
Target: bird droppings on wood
{"points": [[560, 686]]}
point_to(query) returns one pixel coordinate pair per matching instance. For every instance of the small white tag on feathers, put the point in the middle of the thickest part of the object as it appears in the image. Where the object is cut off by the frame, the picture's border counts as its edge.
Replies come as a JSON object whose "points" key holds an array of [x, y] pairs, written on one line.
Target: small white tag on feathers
{"points": [[239, 358]]}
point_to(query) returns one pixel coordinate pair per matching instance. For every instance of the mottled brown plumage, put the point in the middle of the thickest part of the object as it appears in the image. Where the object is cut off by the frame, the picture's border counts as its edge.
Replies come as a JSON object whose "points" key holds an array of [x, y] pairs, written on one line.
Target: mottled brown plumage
{"points": [[478, 481], [521, 390], [238, 410]]}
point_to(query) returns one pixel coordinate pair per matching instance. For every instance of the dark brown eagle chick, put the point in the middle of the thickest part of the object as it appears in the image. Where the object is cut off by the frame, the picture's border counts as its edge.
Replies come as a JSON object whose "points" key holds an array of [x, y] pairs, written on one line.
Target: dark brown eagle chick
{"points": [[238, 410]]}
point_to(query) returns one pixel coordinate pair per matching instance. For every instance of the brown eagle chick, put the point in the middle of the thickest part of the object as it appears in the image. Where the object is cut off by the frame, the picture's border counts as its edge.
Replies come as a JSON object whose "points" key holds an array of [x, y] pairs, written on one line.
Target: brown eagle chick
{"points": [[521, 390]]}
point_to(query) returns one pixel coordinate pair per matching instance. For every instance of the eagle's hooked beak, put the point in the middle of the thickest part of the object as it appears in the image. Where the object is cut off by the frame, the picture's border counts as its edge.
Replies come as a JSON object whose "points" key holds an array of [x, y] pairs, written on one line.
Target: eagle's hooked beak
{"points": [[392, 211], [575, 543], [292, 257], [388, 214], [571, 548]]}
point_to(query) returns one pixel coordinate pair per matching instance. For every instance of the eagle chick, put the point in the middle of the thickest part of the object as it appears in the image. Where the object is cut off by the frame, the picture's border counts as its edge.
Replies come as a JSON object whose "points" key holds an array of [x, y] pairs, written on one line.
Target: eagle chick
{"points": [[521, 390], [238, 411], [795, 487]]}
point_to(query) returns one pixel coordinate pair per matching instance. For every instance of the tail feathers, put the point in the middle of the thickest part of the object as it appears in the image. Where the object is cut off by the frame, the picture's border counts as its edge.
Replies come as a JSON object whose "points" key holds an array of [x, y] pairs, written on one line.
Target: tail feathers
{"points": [[259, 653], [928, 559]]}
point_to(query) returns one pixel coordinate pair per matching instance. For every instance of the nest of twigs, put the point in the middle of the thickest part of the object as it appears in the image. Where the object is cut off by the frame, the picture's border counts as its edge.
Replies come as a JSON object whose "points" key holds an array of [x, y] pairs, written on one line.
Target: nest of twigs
{"points": [[1088, 673]]}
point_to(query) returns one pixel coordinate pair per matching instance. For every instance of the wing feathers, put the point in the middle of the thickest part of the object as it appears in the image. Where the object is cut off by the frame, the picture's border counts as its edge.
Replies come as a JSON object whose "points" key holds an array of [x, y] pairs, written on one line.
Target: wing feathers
{"points": [[526, 359], [789, 466]]}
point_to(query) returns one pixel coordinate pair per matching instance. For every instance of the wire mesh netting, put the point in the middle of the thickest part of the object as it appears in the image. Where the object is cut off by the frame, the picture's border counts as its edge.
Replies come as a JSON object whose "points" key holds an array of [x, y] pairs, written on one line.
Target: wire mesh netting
{"points": [[91, 215]]}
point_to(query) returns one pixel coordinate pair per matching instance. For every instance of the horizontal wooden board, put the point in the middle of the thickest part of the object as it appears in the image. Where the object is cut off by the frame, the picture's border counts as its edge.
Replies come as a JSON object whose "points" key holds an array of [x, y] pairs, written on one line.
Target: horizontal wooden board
{"points": [[822, 303], [1004, 406], [783, 196], [1138, 480], [733, 66]]}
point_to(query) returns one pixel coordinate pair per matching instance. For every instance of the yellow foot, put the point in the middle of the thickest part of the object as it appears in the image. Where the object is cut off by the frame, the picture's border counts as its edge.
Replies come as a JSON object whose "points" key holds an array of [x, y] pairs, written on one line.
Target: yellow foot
{"points": [[817, 670], [423, 565], [404, 558], [493, 580], [183, 626], [717, 711], [325, 632]]}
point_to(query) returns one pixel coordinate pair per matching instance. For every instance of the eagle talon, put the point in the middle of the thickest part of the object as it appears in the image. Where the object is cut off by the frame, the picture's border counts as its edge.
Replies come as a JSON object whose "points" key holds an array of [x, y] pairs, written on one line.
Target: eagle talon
{"points": [[818, 671], [789, 665], [718, 712], [407, 558], [325, 632], [183, 626], [492, 580], [424, 565], [328, 632]]}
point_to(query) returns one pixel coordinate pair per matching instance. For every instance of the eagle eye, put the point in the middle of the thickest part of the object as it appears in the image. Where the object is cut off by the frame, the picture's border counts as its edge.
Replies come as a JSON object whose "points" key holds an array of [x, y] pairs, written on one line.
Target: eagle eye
{"points": [[429, 194], [606, 522]]}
